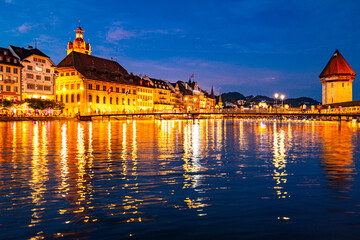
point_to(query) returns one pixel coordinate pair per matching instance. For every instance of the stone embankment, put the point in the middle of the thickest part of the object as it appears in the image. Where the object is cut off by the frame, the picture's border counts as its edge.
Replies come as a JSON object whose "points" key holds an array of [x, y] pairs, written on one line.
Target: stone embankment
{"points": [[11, 119]]}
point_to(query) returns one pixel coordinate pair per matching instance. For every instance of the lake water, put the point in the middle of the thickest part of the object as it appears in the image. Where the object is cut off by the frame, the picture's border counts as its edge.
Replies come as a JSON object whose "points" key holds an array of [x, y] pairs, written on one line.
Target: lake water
{"points": [[196, 179]]}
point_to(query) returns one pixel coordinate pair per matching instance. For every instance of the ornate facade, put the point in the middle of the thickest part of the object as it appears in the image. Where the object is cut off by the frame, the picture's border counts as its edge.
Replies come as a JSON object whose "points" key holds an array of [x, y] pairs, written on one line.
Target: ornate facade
{"points": [[10, 72]]}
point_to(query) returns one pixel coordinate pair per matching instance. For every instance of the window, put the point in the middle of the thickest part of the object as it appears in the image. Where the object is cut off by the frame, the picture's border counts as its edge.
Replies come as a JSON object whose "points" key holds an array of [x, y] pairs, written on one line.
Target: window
{"points": [[47, 70], [47, 88], [15, 89], [29, 67], [72, 86], [67, 98], [1, 68], [128, 101], [8, 88], [134, 91], [117, 101], [97, 99], [110, 100], [104, 88], [117, 90], [15, 79], [39, 87], [43, 61], [78, 98], [72, 73], [61, 74], [123, 101], [78, 86], [47, 78], [15, 70], [72, 98], [90, 86], [61, 98], [90, 98], [35, 59], [8, 70], [30, 76], [104, 100], [67, 74], [97, 87], [38, 77], [1, 77], [15, 61], [1, 88], [39, 69], [30, 86], [123, 90]]}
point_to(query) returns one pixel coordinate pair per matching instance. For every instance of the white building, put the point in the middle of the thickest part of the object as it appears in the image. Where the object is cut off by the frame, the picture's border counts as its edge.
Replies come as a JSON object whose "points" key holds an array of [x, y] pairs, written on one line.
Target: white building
{"points": [[38, 74]]}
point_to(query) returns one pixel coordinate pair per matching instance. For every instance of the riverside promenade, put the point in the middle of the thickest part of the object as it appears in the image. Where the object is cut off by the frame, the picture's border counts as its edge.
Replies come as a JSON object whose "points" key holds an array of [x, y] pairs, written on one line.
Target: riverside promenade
{"points": [[228, 114]]}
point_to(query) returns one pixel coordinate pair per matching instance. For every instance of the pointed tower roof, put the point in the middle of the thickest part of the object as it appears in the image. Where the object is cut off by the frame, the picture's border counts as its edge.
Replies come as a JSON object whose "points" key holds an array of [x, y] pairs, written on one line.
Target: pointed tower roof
{"points": [[337, 65], [212, 92], [220, 101]]}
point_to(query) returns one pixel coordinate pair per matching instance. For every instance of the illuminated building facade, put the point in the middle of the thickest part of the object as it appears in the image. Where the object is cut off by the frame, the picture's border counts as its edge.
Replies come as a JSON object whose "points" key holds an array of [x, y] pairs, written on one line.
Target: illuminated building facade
{"points": [[38, 74], [336, 80], [10, 72], [89, 84]]}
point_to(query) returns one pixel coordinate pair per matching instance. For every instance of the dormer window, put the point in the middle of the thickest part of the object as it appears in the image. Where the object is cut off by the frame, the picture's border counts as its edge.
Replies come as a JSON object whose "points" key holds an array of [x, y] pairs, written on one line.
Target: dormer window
{"points": [[15, 61], [5, 52]]}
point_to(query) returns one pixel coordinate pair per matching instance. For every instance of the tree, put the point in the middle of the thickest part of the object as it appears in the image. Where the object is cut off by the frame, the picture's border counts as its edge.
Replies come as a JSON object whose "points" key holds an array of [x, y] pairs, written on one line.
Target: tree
{"points": [[6, 104], [42, 104]]}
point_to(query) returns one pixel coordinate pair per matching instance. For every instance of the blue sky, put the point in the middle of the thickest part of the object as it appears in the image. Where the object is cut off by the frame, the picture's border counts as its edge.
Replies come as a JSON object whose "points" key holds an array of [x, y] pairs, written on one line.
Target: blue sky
{"points": [[250, 46]]}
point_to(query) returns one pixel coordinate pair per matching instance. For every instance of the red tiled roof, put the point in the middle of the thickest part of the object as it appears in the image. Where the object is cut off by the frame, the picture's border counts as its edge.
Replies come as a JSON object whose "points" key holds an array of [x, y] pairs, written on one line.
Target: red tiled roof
{"points": [[337, 65]]}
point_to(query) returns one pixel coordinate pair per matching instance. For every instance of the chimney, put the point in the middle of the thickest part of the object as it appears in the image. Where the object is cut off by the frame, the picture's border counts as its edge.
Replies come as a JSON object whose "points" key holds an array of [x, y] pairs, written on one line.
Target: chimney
{"points": [[111, 59]]}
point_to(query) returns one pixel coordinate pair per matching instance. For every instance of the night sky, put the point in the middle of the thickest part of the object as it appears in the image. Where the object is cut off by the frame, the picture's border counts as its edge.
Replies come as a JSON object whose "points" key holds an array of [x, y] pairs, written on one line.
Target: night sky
{"points": [[256, 47]]}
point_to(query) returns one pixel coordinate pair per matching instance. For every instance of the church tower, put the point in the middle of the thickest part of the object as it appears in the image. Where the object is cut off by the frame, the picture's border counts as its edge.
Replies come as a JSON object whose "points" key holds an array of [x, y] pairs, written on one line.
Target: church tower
{"points": [[79, 44], [336, 80]]}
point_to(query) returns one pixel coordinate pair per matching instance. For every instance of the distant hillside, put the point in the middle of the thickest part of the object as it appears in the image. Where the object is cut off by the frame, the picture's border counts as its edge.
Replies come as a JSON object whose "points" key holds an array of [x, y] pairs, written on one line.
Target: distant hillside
{"points": [[233, 97]]}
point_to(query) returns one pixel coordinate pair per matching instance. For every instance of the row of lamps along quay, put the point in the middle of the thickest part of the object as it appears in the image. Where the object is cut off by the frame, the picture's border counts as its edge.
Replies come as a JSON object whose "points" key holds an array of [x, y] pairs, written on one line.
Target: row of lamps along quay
{"points": [[282, 96]]}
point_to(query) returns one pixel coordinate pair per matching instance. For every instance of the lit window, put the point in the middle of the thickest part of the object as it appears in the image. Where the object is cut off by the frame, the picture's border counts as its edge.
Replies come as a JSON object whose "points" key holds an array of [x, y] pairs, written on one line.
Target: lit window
{"points": [[39, 69]]}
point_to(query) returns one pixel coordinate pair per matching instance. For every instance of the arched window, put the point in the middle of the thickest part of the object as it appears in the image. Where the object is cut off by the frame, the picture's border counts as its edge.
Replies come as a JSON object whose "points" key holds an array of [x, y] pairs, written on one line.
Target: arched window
{"points": [[90, 98], [104, 100], [128, 101], [78, 98], [117, 101], [61, 98], [110, 100], [97, 99], [72, 98], [67, 98]]}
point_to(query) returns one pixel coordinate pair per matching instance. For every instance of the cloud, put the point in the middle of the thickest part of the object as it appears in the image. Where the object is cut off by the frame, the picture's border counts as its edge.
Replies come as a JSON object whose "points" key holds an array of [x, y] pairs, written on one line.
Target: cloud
{"points": [[116, 33], [25, 27]]}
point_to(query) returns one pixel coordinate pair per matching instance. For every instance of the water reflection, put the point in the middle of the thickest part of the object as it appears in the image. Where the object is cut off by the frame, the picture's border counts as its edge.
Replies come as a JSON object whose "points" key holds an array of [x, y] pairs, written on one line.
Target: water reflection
{"points": [[81, 176]]}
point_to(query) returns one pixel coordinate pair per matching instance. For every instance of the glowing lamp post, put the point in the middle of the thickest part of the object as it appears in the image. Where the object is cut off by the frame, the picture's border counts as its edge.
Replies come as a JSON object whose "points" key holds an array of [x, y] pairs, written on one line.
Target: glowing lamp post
{"points": [[282, 100], [276, 97]]}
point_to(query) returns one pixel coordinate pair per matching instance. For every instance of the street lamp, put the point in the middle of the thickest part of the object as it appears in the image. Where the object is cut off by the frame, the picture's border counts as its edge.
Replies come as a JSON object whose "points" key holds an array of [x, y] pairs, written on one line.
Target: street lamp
{"points": [[282, 100], [276, 97]]}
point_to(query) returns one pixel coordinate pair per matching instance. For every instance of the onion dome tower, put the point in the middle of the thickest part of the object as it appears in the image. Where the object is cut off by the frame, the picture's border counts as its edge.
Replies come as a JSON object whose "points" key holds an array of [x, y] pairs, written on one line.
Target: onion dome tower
{"points": [[79, 44], [336, 80]]}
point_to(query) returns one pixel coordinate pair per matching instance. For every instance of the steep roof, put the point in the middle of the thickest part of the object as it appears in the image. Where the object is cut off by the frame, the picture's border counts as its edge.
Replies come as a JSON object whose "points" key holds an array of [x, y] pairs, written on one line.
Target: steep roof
{"points": [[24, 53], [94, 67], [8, 58], [337, 65]]}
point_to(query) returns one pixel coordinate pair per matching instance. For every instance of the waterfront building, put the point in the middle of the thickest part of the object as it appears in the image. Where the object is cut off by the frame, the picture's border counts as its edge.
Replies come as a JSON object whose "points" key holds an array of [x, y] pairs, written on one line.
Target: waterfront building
{"points": [[336, 80], [162, 95], [38, 74], [145, 94], [89, 84], [10, 76]]}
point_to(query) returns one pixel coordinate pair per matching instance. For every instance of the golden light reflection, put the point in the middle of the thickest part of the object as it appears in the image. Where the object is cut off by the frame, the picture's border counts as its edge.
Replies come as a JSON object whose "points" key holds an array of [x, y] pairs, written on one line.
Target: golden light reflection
{"points": [[64, 161], [279, 162]]}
